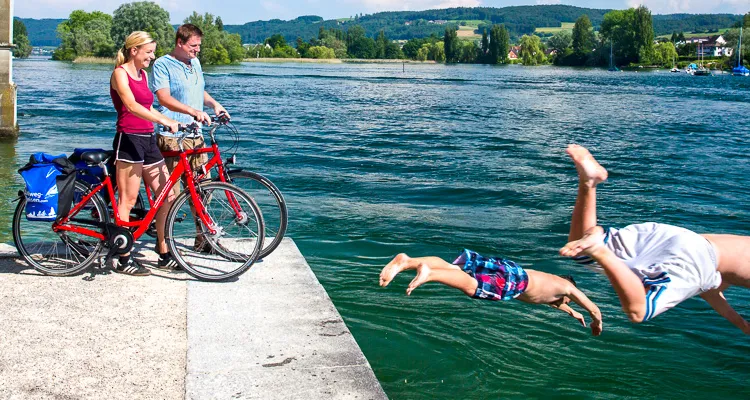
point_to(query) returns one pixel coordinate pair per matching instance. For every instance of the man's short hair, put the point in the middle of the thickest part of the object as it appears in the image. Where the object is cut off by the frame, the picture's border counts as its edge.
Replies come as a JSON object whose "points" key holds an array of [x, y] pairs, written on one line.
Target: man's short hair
{"points": [[186, 31], [569, 278]]}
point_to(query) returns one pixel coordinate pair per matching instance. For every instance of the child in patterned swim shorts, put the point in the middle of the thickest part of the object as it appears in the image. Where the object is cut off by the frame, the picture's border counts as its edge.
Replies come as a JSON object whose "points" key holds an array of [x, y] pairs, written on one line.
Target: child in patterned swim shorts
{"points": [[496, 279]]}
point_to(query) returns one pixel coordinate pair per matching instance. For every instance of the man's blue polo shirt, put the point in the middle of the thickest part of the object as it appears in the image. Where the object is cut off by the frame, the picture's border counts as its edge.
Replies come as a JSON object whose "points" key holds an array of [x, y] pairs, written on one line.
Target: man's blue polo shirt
{"points": [[185, 83]]}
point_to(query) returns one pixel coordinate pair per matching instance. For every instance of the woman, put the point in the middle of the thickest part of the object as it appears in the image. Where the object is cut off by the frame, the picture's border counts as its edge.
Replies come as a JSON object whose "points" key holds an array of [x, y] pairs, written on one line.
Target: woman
{"points": [[136, 152]]}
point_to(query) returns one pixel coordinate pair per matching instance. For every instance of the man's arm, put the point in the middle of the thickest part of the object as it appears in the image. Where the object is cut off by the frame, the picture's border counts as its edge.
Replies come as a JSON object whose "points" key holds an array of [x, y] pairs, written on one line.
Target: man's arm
{"points": [[582, 300], [715, 298], [165, 99], [209, 101]]}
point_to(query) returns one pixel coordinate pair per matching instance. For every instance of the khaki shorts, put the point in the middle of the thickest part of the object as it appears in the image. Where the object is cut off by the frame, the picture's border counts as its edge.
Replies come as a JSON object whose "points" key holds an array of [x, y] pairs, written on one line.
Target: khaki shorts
{"points": [[170, 144]]}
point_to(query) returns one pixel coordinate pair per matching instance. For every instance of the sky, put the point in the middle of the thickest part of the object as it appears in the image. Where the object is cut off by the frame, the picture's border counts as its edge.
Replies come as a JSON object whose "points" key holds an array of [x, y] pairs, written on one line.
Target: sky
{"points": [[241, 11]]}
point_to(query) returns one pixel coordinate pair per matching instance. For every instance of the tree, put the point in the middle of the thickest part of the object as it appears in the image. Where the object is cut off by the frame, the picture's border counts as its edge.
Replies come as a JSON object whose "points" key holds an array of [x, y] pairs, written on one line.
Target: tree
{"points": [[485, 46], [381, 44], [143, 16], [451, 44], [468, 51], [560, 41], [21, 40], [219, 24], [664, 55], [217, 47], [631, 32], [643, 28], [532, 52], [276, 41], [583, 36], [359, 45], [85, 34], [499, 44], [320, 52]]}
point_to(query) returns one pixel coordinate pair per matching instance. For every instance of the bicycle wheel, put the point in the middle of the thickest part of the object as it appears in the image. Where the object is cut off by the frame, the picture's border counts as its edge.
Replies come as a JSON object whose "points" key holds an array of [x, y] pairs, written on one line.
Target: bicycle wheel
{"points": [[238, 237], [271, 203], [62, 253]]}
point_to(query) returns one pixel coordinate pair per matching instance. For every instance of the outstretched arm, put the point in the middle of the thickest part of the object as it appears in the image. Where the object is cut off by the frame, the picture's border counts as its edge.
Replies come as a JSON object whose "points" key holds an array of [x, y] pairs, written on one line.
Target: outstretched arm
{"points": [[715, 298], [582, 300], [573, 313]]}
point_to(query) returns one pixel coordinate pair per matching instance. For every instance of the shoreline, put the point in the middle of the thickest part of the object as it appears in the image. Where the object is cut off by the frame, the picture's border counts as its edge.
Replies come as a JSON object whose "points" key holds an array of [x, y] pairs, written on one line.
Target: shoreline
{"points": [[335, 61], [94, 60]]}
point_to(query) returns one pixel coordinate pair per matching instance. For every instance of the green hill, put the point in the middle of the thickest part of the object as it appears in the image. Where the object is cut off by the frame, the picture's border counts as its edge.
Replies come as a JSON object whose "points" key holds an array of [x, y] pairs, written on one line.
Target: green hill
{"points": [[519, 20], [42, 32]]}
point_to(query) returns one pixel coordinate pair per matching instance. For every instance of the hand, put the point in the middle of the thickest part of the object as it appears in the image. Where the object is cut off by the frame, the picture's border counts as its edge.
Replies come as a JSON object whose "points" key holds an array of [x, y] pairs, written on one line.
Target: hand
{"points": [[172, 125], [579, 317], [746, 328], [596, 326], [219, 109], [202, 118]]}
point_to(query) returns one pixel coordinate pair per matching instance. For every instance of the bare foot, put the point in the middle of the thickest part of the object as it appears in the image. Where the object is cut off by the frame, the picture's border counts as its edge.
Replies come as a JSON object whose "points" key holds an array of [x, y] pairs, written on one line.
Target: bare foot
{"points": [[398, 264], [423, 275], [590, 172], [591, 241]]}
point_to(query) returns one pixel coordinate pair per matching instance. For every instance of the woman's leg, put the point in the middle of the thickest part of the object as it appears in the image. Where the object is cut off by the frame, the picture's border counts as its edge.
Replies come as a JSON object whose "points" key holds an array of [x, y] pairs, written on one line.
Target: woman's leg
{"points": [[128, 185], [156, 177], [590, 174]]}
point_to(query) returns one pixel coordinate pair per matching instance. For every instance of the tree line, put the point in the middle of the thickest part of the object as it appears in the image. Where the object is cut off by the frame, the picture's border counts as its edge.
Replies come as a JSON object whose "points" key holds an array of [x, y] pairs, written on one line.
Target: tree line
{"points": [[21, 40], [97, 34]]}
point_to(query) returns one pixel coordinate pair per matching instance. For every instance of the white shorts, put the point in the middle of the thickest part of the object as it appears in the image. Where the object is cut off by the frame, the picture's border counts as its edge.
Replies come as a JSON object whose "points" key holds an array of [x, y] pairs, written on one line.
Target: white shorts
{"points": [[674, 263]]}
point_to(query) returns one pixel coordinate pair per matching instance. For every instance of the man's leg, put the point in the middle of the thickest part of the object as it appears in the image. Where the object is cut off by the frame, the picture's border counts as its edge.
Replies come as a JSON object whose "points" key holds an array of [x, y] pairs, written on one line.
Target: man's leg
{"points": [[628, 287], [429, 269], [590, 174], [156, 177]]}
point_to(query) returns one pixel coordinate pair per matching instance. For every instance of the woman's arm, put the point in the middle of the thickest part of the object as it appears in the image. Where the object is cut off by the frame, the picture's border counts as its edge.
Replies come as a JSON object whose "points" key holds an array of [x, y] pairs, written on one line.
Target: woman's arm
{"points": [[715, 298]]}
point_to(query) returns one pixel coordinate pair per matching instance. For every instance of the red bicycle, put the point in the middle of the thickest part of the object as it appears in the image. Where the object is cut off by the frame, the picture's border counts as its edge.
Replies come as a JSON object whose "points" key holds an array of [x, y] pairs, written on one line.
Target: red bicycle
{"points": [[216, 213], [260, 188]]}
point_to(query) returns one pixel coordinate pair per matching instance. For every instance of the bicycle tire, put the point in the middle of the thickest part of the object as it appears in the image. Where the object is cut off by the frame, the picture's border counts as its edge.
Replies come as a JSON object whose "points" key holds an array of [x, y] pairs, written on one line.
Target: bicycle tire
{"points": [[246, 233], [271, 203], [36, 243]]}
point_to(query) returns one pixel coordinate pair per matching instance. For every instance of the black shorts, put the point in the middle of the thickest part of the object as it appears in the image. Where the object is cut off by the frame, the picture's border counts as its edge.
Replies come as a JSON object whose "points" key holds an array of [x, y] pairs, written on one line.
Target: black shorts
{"points": [[137, 149]]}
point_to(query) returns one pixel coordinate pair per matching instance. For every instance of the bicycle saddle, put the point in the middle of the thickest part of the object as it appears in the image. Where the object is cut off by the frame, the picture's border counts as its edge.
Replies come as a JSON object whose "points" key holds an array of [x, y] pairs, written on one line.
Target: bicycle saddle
{"points": [[96, 156]]}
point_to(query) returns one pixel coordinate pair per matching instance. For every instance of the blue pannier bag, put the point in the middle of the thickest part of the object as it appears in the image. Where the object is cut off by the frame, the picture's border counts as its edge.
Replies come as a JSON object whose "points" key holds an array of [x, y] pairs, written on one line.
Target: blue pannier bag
{"points": [[50, 182]]}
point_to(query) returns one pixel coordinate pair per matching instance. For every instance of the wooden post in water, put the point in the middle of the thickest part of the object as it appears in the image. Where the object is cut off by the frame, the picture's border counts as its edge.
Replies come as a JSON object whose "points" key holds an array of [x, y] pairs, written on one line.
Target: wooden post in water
{"points": [[8, 110]]}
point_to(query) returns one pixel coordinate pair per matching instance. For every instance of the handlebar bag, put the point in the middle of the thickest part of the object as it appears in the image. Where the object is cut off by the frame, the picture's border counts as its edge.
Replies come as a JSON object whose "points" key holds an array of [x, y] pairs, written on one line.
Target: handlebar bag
{"points": [[50, 184]]}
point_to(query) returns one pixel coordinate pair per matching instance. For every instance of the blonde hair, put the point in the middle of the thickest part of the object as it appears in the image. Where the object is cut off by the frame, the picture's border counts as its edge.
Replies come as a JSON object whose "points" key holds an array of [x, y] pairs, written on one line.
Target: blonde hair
{"points": [[135, 39]]}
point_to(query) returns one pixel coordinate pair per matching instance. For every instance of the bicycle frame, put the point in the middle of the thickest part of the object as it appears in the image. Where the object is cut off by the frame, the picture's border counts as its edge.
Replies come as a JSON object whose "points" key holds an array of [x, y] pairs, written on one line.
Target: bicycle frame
{"points": [[142, 225], [214, 161]]}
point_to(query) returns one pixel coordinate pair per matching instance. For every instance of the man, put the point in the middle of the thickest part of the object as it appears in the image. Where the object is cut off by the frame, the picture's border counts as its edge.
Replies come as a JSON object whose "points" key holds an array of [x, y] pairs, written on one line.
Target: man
{"points": [[180, 88], [653, 267], [496, 279]]}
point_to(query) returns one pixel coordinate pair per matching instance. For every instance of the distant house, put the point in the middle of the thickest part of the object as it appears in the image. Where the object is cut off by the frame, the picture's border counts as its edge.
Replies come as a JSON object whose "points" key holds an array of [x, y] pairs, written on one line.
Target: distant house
{"points": [[514, 52], [711, 46], [438, 22], [550, 52], [407, 23]]}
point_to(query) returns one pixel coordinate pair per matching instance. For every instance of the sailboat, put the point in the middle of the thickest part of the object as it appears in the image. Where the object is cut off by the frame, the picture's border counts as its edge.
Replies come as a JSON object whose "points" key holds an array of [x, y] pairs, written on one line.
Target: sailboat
{"points": [[740, 70], [702, 71], [612, 67], [674, 66]]}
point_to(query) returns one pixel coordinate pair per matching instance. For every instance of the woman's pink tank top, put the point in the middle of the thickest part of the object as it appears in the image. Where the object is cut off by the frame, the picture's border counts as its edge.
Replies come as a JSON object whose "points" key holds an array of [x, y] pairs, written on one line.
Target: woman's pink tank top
{"points": [[128, 122]]}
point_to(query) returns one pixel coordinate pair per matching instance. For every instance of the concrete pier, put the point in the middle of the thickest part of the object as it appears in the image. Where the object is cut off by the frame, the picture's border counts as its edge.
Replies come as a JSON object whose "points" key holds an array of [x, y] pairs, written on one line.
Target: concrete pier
{"points": [[272, 334], [8, 107]]}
